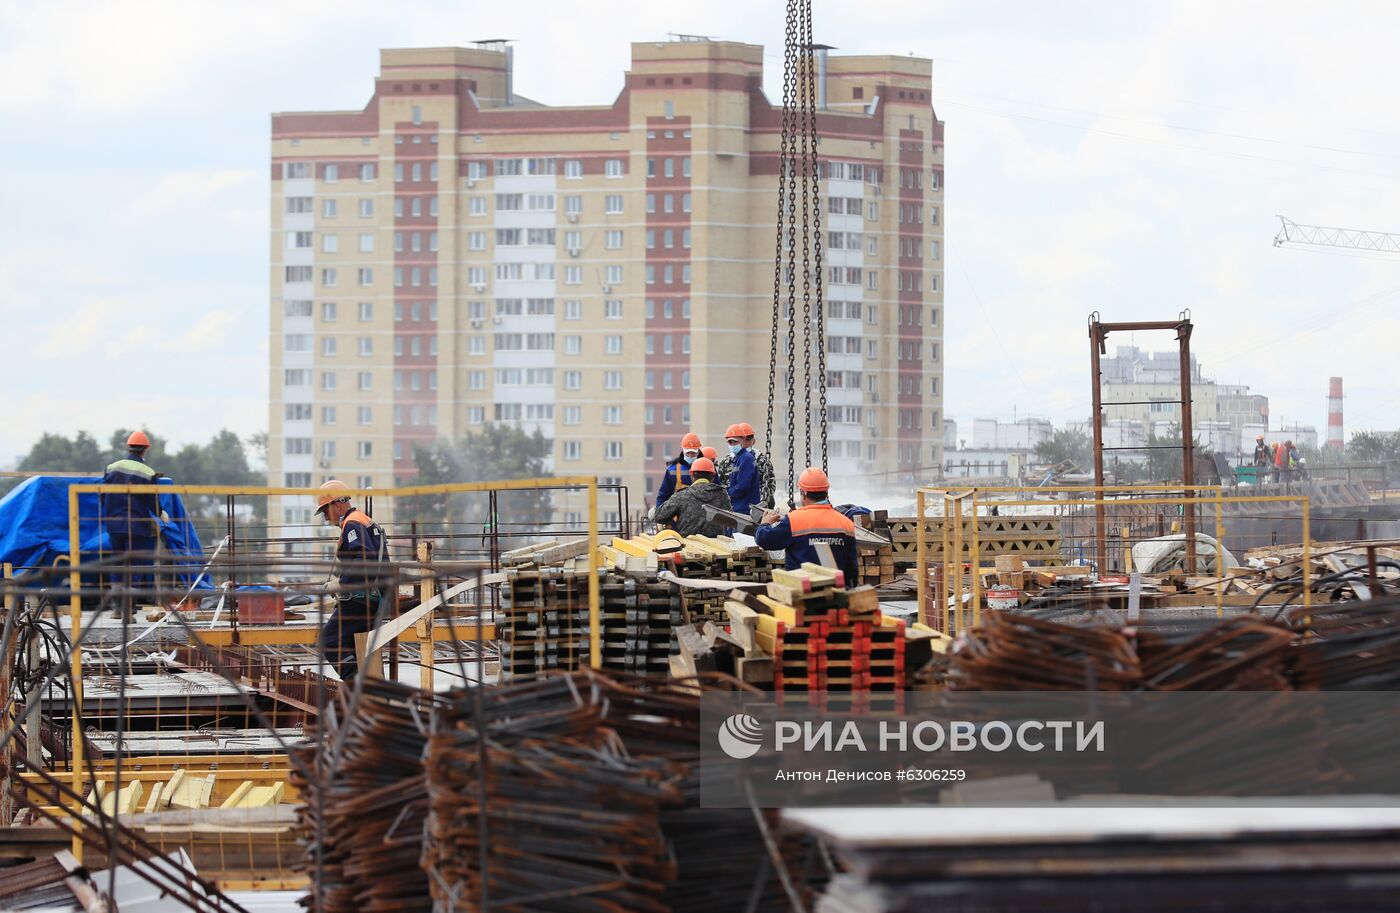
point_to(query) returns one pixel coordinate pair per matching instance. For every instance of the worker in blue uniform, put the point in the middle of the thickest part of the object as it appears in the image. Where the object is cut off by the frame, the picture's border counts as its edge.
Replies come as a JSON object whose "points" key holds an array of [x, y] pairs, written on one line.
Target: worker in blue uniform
{"points": [[805, 529], [742, 478], [132, 520], [361, 554]]}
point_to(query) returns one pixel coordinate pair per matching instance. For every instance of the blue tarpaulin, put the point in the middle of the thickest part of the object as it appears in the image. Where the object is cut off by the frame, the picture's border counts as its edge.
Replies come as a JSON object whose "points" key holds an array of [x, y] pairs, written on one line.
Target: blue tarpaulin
{"points": [[34, 525]]}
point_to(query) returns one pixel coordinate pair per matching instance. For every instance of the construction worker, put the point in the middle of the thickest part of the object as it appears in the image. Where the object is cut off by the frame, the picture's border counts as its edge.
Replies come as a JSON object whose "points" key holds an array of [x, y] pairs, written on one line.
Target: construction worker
{"points": [[1280, 462], [1261, 452], [361, 547], [677, 474], [746, 475], [815, 528], [132, 521], [685, 510], [710, 454]]}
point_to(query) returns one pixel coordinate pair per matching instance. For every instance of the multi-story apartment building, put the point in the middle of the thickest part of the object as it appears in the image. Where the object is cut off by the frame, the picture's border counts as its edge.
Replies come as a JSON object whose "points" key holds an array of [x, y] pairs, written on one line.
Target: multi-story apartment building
{"points": [[454, 255]]}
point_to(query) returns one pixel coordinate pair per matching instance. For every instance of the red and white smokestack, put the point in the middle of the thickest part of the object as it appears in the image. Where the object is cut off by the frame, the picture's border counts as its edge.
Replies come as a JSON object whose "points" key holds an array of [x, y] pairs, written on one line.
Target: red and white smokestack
{"points": [[1334, 415]]}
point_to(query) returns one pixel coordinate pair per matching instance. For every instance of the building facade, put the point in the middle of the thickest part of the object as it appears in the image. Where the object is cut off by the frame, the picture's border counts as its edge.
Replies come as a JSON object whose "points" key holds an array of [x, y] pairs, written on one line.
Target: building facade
{"points": [[455, 255]]}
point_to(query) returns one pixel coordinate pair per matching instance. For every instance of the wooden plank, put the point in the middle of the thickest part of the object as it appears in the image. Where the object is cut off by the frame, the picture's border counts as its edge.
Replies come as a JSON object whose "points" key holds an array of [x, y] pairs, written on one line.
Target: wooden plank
{"points": [[785, 613], [192, 792], [258, 796], [742, 621], [243, 789]]}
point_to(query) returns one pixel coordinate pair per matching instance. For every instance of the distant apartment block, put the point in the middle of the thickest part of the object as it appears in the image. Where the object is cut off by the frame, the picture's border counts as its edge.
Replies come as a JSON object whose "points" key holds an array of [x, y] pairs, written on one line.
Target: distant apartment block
{"points": [[455, 255]]}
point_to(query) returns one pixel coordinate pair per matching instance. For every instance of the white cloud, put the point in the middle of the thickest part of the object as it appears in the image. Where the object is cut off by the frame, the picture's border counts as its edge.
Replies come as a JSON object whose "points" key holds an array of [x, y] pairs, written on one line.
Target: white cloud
{"points": [[184, 192]]}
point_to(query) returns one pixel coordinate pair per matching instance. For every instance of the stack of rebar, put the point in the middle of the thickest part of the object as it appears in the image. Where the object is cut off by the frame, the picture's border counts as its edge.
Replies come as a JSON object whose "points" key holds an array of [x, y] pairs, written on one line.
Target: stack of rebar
{"points": [[1018, 652], [1348, 647], [364, 804], [583, 796]]}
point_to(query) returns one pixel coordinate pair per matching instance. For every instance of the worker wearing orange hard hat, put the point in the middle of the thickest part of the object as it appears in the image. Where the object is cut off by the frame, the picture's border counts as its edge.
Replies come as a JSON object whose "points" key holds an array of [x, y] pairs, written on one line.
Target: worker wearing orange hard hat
{"points": [[361, 554], [677, 475], [685, 511], [746, 475], [132, 520], [816, 532]]}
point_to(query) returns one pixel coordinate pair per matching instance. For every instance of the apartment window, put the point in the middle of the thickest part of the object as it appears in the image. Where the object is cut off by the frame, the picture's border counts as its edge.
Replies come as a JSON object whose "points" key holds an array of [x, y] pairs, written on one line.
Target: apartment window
{"points": [[364, 415], [651, 239], [573, 345], [573, 415], [296, 308], [685, 203], [398, 208], [510, 271], [328, 277], [540, 202], [297, 446], [666, 344], [476, 171], [540, 307], [509, 342], [573, 275], [667, 309], [685, 273], [399, 172], [651, 274], [366, 347], [476, 206], [366, 243], [612, 380], [543, 271], [685, 308], [651, 202], [685, 238], [296, 377], [685, 167], [417, 242], [573, 205], [872, 350], [650, 380], [297, 412], [476, 240], [367, 172], [294, 170], [612, 203], [476, 345], [573, 380], [871, 280], [328, 450], [544, 166], [298, 479], [668, 202], [612, 309], [510, 202], [651, 344], [332, 173], [365, 380], [573, 168], [476, 415], [612, 168], [328, 346], [612, 450], [649, 418], [612, 345], [366, 208], [365, 450], [669, 167], [299, 204], [510, 167], [366, 276], [539, 342], [572, 450], [666, 380], [327, 380], [432, 171], [573, 310], [328, 209], [298, 240], [613, 240], [685, 343]]}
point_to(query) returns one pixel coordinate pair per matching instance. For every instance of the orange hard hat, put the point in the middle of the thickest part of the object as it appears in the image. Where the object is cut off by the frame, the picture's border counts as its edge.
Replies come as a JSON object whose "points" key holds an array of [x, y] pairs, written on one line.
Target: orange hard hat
{"points": [[709, 453], [691, 441], [138, 439], [734, 431], [331, 491], [745, 429], [704, 464], [813, 479]]}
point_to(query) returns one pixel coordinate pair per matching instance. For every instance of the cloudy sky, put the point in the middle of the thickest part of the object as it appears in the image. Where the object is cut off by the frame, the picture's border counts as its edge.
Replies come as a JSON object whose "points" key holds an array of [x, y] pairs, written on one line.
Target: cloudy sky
{"points": [[1124, 158]]}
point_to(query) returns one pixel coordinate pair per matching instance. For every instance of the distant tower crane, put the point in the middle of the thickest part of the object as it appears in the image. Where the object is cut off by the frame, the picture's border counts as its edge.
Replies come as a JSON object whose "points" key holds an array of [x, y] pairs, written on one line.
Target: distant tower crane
{"points": [[1291, 232]]}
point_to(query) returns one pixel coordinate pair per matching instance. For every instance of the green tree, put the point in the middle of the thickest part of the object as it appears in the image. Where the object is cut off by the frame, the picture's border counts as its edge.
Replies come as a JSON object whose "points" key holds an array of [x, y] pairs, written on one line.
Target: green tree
{"points": [[1373, 447], [1064, 444], [496, 453]]}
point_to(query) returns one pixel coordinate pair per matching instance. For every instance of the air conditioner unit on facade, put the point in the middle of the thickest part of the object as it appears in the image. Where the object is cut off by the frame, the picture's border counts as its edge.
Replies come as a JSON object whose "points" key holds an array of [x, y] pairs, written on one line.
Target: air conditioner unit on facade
{"points": [[476, 323], [573, 252], [607, 289], [496, 320], [325, 464], [479, 287], [572, 217]]}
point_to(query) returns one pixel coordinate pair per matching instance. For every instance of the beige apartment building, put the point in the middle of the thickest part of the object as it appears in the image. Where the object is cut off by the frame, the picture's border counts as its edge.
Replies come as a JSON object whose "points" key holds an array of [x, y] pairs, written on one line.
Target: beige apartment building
{"points": [[455, 255]]}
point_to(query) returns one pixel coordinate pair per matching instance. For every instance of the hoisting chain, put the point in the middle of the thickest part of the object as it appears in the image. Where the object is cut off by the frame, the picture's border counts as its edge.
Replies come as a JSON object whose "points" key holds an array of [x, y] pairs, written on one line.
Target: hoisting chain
{"points": [[814, 172]]}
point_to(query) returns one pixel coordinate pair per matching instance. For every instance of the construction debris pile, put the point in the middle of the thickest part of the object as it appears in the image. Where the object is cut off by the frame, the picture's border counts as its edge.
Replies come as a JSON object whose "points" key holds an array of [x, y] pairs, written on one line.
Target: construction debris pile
{"points": [[577, 792]]}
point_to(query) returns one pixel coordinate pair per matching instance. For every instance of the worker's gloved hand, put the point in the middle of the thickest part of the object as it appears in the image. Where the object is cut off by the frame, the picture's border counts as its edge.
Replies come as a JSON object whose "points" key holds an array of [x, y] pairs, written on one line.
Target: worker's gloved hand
{"points": [[651, 514], [164, 517], [770, 517]]}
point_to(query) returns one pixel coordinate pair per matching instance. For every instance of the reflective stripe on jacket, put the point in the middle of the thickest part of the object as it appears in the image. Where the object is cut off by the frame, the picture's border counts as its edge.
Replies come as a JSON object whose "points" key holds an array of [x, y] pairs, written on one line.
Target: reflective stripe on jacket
{"points": [[803, 529]]}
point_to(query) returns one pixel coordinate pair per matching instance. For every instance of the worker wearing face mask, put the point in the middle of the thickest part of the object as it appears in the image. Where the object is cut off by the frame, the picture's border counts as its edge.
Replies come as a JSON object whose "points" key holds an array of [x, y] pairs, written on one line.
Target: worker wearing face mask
{"points": [[740, 470], [677, 475]]}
